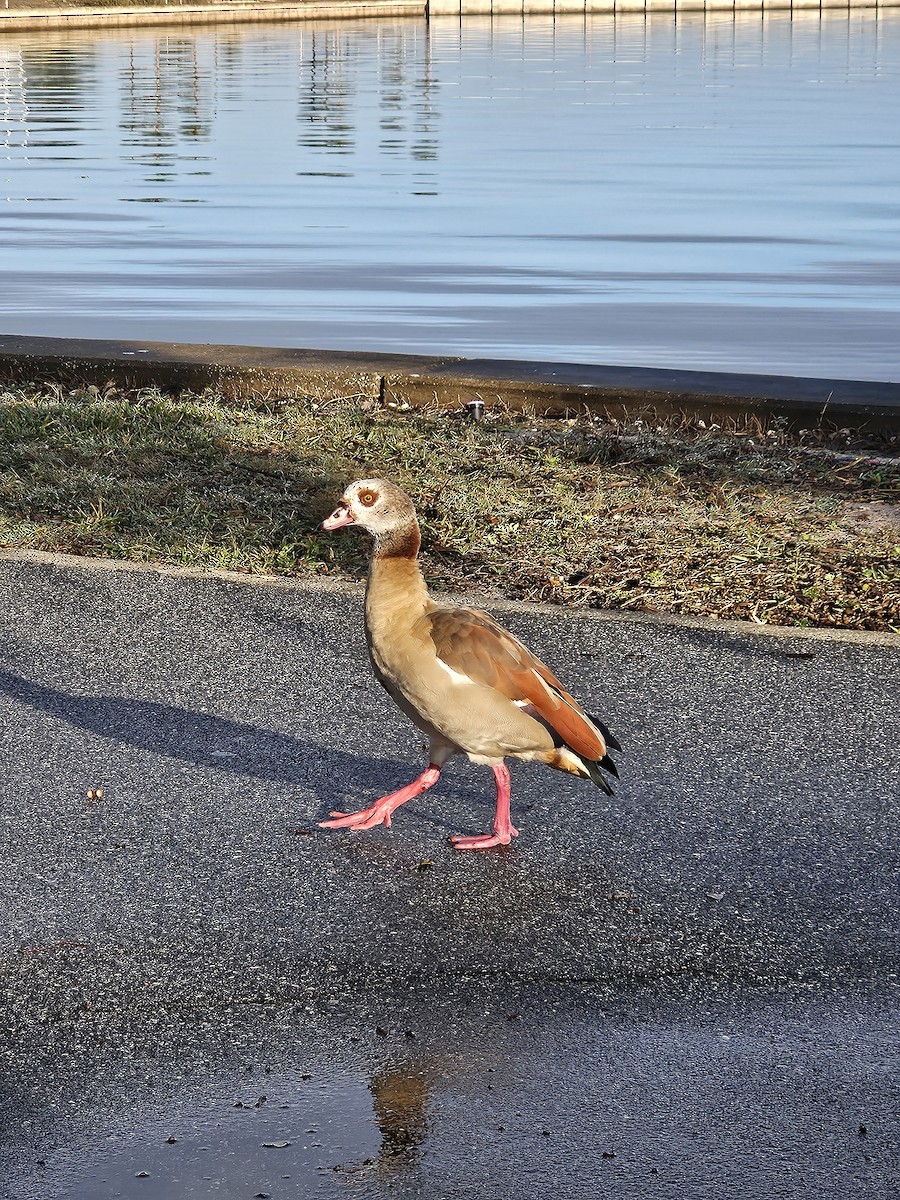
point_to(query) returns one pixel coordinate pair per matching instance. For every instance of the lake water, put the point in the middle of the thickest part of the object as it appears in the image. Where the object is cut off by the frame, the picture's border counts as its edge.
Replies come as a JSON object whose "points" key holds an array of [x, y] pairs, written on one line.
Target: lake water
{"points": [[714, 192]]}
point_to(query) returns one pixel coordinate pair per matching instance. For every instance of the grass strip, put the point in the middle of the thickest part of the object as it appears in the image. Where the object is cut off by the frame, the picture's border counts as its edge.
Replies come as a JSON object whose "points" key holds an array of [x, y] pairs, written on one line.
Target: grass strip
{"points": [[770, 527]]}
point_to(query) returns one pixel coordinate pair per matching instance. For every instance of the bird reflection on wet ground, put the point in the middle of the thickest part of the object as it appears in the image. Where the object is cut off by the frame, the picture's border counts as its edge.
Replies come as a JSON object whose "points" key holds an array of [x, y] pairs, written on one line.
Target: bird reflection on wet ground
{"points": [[401, 1095], [400, 1099], [495, 1092], [286, 1128]]}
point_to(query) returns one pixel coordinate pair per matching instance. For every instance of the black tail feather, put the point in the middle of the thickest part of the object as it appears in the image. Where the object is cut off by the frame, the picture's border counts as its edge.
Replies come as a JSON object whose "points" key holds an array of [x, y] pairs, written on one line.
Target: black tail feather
{"points": [[608, 765], [610, 739], [594, 768], [597, 776]]}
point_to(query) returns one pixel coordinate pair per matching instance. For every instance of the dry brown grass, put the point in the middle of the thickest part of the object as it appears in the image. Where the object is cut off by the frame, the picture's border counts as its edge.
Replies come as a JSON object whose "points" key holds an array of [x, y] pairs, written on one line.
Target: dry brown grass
{"points": [[767, 527]]}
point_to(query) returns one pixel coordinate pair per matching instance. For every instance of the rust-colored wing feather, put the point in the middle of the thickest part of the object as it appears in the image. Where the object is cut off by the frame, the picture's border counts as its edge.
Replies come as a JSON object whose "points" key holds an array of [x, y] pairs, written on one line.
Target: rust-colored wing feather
{"points": [[472, 644]]}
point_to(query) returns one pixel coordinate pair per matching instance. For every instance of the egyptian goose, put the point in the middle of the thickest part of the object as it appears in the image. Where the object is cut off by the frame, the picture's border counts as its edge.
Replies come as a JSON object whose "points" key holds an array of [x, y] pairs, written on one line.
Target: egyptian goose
{"points": [[470, 686]]}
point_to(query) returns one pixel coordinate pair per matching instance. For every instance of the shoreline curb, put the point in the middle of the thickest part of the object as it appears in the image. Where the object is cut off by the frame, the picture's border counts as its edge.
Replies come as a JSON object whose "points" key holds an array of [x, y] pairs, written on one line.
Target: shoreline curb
{"points": [[417, 381], [161, 14], [870, 639]]}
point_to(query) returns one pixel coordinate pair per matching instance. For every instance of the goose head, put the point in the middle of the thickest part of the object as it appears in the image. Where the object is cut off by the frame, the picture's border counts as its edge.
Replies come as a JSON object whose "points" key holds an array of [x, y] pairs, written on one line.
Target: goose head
{"points": [[377, 505]]}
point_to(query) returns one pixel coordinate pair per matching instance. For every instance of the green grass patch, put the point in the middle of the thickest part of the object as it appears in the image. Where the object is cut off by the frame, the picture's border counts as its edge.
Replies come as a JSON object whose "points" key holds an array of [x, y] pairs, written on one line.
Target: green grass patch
{"points": [[670, 520]]}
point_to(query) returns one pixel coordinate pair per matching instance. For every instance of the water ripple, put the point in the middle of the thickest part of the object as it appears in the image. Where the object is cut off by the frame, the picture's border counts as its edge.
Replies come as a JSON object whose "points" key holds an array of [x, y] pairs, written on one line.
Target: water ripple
{"points": [[436, 187]]}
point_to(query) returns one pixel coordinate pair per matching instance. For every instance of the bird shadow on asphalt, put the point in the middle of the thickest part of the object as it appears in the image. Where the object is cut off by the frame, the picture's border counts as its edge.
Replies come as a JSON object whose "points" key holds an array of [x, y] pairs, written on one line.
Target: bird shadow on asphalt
{"points": [[211, 741]]}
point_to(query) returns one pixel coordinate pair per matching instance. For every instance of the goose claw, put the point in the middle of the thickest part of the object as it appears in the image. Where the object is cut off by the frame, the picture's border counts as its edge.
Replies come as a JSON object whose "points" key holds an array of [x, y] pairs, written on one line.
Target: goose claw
{"points": [[484, 841], [366, 818]]}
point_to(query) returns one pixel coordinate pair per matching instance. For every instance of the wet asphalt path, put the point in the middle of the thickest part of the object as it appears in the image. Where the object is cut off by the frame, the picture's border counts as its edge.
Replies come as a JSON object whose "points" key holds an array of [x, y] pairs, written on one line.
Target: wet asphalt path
{"points": [[687, 989]]}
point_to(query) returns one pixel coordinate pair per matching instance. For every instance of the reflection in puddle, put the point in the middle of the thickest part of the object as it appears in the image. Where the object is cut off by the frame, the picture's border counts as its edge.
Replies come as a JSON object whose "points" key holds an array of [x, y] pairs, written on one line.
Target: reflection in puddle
{"points": [[400, 1097], [305, 1130], [642, 1095]]}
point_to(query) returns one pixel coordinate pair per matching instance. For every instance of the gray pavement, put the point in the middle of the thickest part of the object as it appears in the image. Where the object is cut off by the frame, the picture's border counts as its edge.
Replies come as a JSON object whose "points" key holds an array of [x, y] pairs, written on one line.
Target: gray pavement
{"points": [[689, 989]]}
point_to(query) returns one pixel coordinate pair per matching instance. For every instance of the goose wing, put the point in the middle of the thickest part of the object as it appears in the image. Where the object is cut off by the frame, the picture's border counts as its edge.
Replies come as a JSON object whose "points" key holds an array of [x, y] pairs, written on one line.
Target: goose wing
{"points": [[471, 643]]}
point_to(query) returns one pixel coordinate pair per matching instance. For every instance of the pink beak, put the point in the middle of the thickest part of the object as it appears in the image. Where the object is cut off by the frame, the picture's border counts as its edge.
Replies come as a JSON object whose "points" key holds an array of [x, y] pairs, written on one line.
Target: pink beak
{"points": [[339, 518]]}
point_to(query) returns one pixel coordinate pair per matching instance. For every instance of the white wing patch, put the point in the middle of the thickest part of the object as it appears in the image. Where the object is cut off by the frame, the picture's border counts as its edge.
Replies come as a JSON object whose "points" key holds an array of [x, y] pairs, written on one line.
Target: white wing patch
{"points": [[454, 675]]}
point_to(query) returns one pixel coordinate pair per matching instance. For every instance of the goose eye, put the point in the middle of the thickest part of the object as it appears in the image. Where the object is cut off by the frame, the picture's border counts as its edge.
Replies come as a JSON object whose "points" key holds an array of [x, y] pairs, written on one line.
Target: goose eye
{"points": [[367, 499]]}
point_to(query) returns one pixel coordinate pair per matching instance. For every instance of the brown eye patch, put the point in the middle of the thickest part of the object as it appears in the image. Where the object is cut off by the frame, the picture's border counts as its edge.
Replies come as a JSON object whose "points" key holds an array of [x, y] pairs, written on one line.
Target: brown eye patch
{"points": [[367, 498]]}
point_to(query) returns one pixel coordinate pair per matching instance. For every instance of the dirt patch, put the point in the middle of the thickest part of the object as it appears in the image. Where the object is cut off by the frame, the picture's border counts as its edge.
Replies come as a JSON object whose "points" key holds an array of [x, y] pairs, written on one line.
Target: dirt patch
{"points": [[874, 515]]}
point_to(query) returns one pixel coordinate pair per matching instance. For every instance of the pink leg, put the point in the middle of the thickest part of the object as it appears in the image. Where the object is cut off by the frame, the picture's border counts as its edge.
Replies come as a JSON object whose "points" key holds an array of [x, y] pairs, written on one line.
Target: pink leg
{"points": [[380, 811], [503, 830]]}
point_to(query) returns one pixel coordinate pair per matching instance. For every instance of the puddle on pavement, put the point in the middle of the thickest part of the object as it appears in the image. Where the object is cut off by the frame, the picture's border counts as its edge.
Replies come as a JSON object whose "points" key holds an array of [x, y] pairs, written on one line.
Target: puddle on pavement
{"points": [[302, 1131], [530, 1096], [256, 1144]]}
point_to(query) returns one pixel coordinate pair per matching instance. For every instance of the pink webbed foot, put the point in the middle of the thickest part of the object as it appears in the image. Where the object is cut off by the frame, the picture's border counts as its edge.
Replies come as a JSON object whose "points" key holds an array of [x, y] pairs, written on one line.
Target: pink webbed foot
{"points": [[504, 831], [485, 841], [366, 818], [380, 812]]}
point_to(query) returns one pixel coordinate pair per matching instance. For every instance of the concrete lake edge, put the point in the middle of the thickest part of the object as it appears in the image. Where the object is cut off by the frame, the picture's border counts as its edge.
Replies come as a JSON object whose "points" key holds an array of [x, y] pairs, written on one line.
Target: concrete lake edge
{"points": [[416, 381], [38, 16]]}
